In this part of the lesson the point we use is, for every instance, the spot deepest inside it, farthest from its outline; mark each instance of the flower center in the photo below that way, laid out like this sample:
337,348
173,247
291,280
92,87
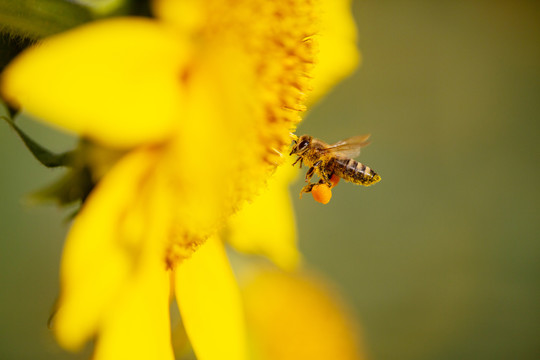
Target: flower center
181,247
246,87
283,47
279,38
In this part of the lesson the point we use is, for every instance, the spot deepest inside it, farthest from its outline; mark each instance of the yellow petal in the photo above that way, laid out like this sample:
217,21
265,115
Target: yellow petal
136,322
115,81
267,226
185,15
294,316
338,55
209,151
210,304
138,326
97,262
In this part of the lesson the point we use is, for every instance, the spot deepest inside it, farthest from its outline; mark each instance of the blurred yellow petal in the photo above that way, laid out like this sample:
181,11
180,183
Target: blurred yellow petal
97,262
213,166
338,55
185,15
210,304
294,316
267,225
115,81
138,326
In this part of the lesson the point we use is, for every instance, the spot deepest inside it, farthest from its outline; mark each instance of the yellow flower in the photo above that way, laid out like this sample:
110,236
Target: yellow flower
201,99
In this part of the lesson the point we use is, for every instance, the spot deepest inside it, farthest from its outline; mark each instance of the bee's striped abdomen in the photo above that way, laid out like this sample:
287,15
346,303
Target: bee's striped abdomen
355,172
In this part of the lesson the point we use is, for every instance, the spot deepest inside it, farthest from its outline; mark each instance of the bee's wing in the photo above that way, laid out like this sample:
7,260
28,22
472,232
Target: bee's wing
350,147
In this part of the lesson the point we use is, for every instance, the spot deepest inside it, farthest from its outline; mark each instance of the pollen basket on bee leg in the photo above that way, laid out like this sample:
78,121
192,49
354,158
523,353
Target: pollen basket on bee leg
322,193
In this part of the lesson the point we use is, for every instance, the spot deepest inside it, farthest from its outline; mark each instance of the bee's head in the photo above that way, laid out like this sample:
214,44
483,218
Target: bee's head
301,145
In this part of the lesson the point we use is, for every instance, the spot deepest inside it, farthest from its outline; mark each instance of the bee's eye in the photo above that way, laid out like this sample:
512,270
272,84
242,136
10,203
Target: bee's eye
303,145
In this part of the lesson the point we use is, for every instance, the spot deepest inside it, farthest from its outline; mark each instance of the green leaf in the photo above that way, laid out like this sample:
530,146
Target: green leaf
43,155
73,187
38,19
11,47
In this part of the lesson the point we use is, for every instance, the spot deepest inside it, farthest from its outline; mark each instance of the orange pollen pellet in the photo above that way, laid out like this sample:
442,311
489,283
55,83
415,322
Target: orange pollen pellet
322,193
334,180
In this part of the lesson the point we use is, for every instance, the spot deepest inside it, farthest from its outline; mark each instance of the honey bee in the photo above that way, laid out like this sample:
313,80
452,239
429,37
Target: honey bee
336,159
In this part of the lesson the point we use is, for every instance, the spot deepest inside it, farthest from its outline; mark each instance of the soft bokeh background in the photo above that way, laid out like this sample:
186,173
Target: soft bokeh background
441,260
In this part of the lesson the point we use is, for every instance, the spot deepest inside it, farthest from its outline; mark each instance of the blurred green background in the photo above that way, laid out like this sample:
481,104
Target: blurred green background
441,259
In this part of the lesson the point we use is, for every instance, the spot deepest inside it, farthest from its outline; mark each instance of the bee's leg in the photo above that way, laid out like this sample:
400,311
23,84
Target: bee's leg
312,169
324,174
307,189
325,177
299,159
310,173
